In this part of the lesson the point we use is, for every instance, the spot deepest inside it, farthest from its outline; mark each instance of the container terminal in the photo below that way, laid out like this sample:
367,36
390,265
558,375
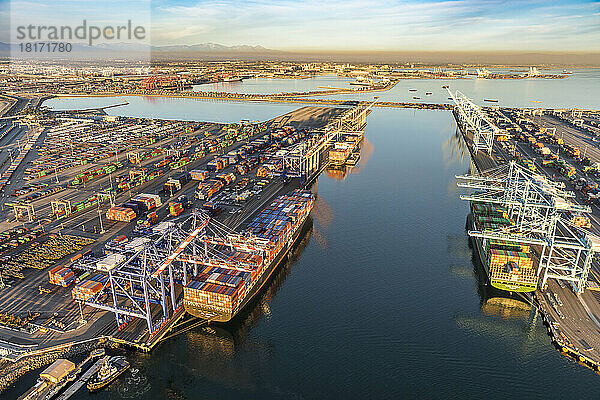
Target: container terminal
114,225
534,214
111,224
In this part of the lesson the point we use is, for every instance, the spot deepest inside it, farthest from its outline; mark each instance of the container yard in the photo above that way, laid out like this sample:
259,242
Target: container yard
100,191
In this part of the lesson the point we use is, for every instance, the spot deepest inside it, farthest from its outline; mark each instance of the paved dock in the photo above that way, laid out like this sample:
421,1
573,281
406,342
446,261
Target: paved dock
71,390
100,323
573,320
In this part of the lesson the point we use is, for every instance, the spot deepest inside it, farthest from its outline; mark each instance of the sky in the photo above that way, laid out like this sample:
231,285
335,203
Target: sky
340,25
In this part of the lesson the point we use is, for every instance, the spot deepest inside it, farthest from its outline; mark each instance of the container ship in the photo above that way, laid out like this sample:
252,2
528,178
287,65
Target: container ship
342,150
219,292
508,265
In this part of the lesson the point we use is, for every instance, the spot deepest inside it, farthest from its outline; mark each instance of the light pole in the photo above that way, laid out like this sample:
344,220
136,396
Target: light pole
102,231
81,320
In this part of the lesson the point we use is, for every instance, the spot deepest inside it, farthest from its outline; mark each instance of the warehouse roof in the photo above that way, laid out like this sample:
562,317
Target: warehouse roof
58,370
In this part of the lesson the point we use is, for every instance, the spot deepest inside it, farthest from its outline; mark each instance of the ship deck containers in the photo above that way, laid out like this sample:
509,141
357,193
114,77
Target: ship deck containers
223,288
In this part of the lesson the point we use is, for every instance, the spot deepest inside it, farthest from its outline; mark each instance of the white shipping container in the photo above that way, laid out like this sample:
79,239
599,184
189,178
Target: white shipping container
109,262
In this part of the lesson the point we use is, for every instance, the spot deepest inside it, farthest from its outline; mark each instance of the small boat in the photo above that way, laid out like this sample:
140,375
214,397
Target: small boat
445,87
416,98
428,93
111,368
491,100
412,90
536,101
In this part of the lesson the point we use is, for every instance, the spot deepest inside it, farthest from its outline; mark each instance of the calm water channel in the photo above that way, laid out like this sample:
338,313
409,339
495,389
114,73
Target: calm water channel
382,298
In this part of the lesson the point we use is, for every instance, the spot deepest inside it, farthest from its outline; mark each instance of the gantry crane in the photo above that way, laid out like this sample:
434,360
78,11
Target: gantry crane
474,119
537,206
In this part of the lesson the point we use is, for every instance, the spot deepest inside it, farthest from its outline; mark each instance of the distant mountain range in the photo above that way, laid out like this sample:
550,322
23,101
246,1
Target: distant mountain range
128,47
214,47
215,52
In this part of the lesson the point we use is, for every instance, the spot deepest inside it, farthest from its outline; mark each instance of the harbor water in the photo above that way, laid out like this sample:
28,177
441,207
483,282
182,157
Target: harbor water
381,299
576,91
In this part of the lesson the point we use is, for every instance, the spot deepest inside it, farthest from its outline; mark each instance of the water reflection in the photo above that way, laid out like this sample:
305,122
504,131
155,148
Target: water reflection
455,149
223,338
506,318
223,353
340,173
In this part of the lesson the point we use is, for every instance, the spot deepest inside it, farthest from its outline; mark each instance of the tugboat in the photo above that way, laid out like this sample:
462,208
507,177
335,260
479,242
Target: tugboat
111,368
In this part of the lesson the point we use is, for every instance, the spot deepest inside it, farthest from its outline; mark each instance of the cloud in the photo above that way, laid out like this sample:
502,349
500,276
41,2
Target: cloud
361,24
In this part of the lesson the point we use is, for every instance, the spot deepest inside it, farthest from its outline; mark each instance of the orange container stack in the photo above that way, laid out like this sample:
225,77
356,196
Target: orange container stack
226,178
207,189
581,220
220,291
121,214
198,175
86,290
263,171
61,276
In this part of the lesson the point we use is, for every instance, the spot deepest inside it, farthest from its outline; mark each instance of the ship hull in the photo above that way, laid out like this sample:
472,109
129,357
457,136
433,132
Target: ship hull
500,285
94,386
215,316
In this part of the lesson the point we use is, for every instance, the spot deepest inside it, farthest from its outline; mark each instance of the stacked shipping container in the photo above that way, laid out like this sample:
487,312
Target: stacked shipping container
222,289
61,276
121,214
509,264
87,289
